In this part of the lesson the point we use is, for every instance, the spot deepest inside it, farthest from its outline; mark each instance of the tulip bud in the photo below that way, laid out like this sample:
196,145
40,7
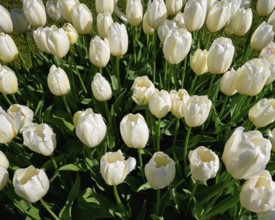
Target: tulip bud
220,55
262,36
4,176
114,168
118,39
8,81
204,163
99,52
26,115
265,7
35,12
8,49
246,154
82,18
134,12
90,128
143,89
101,88
195,14
179,100
271,20
198,62
40,38
156,13
4,163
177,45
179,19
166,29
134,131
58,81
228,84
252,77
104,20
40,138
264,188
19,21
262,113
268,215
104,6
173,6
65,7
146,28
241,21
197,110
5,21
160,103
271,137
160,171
71,32
53,12
30,183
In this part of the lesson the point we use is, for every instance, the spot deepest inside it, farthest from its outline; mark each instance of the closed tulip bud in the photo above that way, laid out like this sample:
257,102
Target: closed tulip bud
166,29
71,32
40,138
91,128
210,4
35,12
265,7
8,49
160,171
228,84
40,38
246,154
4,176
30,183
114,168
179,100
198,62
156,13
262,113
143,89
118,39
4,163
134,131
8,81
262,36
19,21
58,42
53,12
58,81
177,45
104,20
101,88
179,19
99,52
258,193
195,14
271,20
82,18
173,6
268,215
220,55
252,77
65,7
160,103
104,6
241,21
145,26
5,22
197,110
271,137
217,16
204,163
26,115
134,12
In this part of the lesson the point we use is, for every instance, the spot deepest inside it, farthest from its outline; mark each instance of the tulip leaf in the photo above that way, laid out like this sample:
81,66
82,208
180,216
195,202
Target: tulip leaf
71,167
144,186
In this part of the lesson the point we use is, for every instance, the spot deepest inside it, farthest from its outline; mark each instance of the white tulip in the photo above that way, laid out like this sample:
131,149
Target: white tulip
104,6
8,81
101,88
148,30
5,21
179,19
134,12
19,21
71,32
53,12
241,21
4,177
160,103
65,7
265,7
198,62
173,6
99,51
104,20
179,99
8,49
262,36
4,163
271,137
156,13
35,12
143,89
228,83
166,29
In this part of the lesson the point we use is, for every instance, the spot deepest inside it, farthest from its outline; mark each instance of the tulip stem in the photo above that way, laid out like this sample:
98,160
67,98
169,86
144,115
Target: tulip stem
66,104
119,203
184,71
7,99
186,147
193,84
158,135
176,131
134,44
154,56
100,70
118,71
211,85
48,209
158,202
78,75
141,164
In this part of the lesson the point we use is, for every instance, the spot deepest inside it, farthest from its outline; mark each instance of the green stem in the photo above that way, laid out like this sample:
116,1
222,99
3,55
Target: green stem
184,71
7,99
158,202
158,135
193,84
165,72
118,201
211,85
223,106
23,61
64,98
118,71
100,70
154,56
176,131
79,76
48,209
192,194
134,44
185,149
141,164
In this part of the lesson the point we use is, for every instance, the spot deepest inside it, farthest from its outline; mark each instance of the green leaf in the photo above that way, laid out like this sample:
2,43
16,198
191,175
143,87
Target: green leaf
144,186
71,167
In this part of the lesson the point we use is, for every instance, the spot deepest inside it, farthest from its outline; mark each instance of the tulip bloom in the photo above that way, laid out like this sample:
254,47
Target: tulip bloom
134,12
35,12
271,137
156,13
53,12
40,138
166,29
99,52
90,127
103,22
145,26
65,7
82,18
241,21
160,103
265,7
58,81
8,81
173,6
246,154
19,20
198,62
143,89
4,163
114,168
179,19
262,36
160,171
5,22
30,183
179,99
4,176
8,49
134,131
204,163
228,84
104,6
71,32
101,88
